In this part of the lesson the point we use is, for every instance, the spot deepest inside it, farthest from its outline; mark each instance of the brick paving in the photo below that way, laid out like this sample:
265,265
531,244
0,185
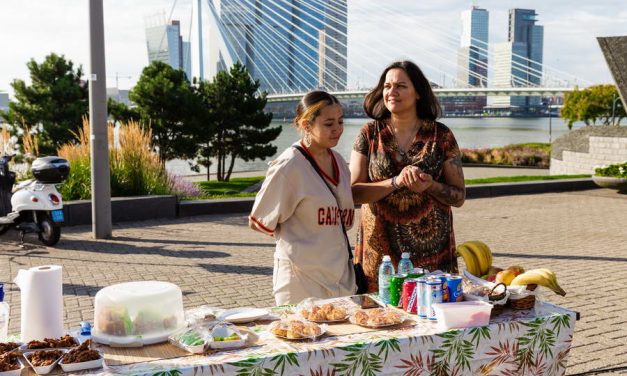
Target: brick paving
217,260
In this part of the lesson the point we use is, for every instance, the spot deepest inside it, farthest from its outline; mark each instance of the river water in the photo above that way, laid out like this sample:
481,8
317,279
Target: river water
469,132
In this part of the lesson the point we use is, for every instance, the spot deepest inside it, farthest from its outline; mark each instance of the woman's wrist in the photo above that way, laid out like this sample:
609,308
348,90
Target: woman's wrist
394,183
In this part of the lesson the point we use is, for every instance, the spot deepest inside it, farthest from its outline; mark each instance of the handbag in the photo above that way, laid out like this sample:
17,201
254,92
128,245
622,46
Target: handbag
360,276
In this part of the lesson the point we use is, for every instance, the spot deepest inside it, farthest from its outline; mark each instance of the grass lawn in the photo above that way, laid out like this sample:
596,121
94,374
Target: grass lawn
515,179
228,189
233,188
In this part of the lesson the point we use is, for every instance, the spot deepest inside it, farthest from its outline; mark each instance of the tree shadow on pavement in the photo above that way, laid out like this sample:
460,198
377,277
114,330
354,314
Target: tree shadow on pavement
237,269
113,248
171,241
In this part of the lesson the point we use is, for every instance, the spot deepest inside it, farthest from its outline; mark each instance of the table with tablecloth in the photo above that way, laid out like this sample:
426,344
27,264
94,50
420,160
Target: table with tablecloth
516,342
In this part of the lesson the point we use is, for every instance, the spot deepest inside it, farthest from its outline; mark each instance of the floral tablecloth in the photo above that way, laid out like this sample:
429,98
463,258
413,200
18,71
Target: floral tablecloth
535,342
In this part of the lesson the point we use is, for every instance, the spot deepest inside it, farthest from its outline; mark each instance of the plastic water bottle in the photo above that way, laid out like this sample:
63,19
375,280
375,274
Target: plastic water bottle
4,316
405,266
386,271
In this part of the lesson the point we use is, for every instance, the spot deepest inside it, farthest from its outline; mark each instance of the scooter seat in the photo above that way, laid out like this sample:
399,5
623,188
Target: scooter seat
9,218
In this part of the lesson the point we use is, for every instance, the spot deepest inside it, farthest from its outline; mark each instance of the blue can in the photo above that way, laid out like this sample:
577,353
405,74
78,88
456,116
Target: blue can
444,279
454,287
421,293
434,295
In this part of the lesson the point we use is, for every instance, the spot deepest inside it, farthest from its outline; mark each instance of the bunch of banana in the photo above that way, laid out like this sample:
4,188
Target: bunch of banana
543,277
477,256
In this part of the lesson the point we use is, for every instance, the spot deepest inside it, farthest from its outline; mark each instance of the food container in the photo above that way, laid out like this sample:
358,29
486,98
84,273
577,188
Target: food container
322,311
50,170
50,344
15,372
71,367
297,328
226,336
42,370
134,314
192,340
462,314
377,317
6,347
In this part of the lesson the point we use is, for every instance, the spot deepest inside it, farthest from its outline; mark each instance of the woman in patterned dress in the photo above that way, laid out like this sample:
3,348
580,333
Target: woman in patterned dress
406,171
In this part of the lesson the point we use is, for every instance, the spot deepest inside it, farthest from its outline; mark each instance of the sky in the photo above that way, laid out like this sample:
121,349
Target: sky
379,32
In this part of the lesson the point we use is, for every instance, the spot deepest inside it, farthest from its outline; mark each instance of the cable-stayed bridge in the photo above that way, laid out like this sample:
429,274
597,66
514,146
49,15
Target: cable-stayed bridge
293,46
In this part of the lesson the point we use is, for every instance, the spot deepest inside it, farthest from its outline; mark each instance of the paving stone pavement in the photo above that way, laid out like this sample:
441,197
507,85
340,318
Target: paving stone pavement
217,260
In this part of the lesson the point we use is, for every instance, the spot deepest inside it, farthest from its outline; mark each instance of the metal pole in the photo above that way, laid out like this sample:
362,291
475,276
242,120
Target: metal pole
614,108
100,175
200,63
550,125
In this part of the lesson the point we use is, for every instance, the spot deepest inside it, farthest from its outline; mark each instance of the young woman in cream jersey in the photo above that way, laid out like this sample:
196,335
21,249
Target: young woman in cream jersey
296,207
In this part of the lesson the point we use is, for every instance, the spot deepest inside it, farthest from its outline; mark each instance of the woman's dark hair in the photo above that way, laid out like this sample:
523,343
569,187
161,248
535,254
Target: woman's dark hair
427,106
311,104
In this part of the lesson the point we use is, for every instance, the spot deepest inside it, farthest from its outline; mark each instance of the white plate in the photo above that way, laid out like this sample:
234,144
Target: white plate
42,370
71,367
15,372
242,315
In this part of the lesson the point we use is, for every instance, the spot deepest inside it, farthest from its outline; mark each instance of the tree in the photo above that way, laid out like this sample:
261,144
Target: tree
598,102
54,103
166,102
120,112
242,128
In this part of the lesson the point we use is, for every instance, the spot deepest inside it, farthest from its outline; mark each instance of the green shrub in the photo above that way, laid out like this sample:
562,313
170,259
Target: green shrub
616,170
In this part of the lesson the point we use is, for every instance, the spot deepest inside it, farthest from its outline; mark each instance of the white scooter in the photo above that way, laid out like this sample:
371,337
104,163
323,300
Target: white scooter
35,205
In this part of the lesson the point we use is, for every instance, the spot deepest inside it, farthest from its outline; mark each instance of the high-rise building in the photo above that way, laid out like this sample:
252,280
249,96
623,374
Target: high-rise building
4,101
165,44
473,51
518,62
295,47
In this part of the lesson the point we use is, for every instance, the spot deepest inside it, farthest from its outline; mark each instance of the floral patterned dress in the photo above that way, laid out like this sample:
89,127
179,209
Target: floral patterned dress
405,221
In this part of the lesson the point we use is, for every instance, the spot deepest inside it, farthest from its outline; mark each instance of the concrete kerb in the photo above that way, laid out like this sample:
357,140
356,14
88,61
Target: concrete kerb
153,207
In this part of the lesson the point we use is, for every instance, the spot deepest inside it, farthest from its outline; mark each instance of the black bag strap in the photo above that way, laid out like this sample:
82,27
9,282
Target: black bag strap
315,166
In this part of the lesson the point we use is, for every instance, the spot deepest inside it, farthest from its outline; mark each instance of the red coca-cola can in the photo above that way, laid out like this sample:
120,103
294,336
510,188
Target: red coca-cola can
409,297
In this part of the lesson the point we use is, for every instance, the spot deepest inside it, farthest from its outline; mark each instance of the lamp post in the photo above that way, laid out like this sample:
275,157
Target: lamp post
550,124
616,98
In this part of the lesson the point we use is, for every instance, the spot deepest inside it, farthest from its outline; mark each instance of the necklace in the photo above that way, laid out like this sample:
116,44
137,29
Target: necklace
402,153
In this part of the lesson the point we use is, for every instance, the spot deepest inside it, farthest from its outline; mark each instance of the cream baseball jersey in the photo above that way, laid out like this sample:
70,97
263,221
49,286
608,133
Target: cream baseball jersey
295,205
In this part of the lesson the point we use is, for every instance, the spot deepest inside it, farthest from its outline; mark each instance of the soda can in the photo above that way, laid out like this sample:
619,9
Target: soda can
417,273
396,289
454,287
410,301
444,279
434,295
421,294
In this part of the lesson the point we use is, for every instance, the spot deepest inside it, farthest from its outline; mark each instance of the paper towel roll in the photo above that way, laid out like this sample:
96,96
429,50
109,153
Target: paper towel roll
41,290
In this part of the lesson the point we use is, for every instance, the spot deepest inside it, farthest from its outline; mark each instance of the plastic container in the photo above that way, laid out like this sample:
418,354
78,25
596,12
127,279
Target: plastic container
134,314
462,314
50,170
14,372
4,315
386,271
405,266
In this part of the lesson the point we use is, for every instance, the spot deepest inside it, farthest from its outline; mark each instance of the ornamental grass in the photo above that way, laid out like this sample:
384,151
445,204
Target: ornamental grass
136,169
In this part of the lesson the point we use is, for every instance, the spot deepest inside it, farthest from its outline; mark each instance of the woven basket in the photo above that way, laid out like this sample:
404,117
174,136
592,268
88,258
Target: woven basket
494,296
528,302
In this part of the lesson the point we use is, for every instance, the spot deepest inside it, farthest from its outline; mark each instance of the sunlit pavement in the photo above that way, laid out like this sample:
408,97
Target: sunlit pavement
217,260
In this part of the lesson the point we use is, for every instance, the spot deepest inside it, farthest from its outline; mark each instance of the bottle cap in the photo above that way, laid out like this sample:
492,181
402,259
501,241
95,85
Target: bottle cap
405,255
1,292
85,328
387,258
